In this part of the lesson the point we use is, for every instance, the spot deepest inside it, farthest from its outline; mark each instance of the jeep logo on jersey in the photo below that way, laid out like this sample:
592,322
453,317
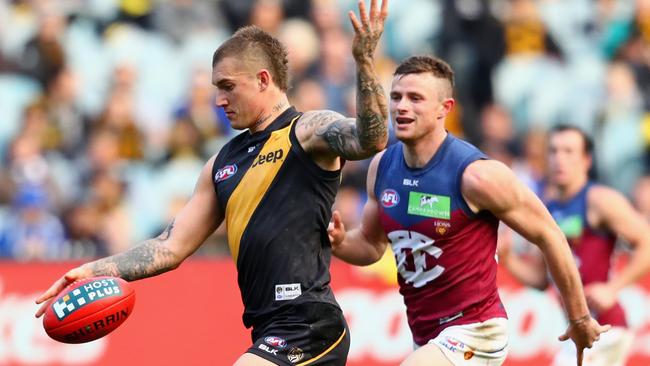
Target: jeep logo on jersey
225,173
271,157
275,341
389,198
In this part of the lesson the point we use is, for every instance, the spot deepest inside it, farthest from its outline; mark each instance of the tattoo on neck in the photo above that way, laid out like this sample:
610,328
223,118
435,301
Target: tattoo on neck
276,108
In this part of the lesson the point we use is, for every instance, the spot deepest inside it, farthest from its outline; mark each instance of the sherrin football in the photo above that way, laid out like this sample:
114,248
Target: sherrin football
89,309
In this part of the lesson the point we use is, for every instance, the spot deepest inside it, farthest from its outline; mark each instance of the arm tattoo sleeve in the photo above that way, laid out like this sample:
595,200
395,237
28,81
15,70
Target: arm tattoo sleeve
360,138
147,259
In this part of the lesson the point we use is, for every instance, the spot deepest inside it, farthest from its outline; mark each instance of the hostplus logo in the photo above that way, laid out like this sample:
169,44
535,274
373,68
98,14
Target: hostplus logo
79,297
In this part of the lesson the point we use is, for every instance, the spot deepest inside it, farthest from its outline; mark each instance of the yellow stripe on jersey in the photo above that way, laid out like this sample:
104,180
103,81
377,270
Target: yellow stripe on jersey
324,352
253,186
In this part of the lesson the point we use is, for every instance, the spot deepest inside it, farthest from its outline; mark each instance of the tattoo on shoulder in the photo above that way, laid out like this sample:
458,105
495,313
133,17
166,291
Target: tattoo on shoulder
317,118
342,137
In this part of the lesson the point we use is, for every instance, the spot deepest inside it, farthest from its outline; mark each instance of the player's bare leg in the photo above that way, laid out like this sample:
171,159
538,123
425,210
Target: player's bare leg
249,359
427,355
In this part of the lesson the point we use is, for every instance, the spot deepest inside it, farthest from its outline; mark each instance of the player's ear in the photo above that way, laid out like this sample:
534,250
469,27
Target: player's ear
263,79
445,107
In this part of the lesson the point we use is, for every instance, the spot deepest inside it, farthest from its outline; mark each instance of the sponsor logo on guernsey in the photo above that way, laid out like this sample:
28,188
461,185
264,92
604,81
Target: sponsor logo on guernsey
442,227
287,291
389,198
275,341
296,354
271,157
79,297
225,173
429,205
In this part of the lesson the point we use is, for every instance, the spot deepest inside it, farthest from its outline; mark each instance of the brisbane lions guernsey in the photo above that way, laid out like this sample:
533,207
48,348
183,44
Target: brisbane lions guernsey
592,248
445,253
277,204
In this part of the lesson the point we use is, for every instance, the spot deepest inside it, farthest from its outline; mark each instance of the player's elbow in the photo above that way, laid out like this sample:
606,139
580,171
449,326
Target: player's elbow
375,146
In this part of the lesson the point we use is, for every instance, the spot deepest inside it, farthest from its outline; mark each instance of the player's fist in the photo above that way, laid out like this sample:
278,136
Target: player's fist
336,230
74,274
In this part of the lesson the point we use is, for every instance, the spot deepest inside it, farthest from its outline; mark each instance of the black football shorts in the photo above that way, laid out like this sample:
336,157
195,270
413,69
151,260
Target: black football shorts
305,334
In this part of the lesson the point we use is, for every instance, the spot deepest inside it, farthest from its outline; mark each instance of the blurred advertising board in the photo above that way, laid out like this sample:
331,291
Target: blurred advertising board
192,316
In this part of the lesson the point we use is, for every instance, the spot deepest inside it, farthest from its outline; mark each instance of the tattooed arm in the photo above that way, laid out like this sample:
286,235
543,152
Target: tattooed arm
194,223
361,137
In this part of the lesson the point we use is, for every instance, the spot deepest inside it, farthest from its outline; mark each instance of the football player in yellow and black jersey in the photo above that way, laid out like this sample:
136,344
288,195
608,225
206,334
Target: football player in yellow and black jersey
274,185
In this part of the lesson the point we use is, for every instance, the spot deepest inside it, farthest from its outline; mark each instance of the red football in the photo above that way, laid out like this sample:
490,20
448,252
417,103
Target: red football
89,309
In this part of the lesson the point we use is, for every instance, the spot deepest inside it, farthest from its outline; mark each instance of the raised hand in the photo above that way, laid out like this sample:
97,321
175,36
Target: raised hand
583,332
367,31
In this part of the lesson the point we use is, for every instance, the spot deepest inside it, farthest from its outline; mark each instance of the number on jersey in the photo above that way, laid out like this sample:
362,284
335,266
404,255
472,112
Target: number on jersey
416,257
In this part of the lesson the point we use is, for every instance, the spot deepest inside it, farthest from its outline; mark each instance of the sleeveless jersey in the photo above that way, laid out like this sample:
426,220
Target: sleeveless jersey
277,204
592,248
445,253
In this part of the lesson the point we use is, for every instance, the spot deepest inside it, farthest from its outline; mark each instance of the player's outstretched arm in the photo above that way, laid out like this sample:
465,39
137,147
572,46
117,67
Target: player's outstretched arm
366,244
490,185
358,138
615,213
195,222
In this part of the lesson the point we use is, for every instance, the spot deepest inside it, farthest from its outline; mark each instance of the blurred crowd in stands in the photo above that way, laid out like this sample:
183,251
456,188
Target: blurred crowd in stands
107,110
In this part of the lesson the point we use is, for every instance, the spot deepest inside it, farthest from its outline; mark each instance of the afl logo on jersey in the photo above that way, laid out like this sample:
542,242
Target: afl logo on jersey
225,173
389,198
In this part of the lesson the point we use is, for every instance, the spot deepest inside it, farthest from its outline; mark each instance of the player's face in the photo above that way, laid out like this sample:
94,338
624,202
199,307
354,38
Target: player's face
416,107
237,92
568,160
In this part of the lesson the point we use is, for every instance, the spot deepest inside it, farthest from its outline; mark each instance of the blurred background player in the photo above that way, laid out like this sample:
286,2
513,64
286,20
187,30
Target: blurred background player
437,200
279,176
593,217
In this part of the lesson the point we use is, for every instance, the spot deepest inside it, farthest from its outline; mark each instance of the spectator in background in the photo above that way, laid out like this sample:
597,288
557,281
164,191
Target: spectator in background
334,70
67,126
620,143
83,231
106,195
31,231
138,12
302,46
118,115
530,164
267,14
529,81
472,40
200,111
43,57
178,18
